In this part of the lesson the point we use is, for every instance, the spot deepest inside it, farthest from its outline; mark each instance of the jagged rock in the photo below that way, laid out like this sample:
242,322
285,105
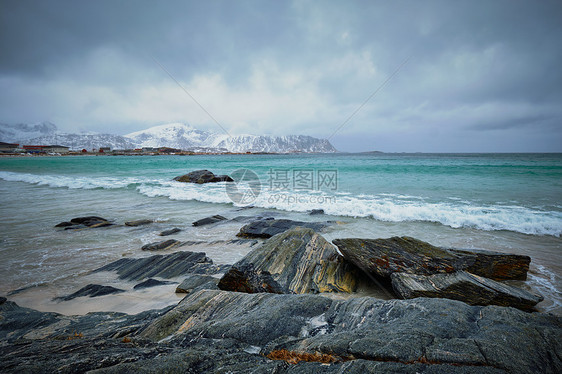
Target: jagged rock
91,290
194,282
170,232
314,212
150,282
85,222
266,228
463,286
169,266
496,265
382,257
300,261
139,222
203,176
246,279
161,246
209,220
419,335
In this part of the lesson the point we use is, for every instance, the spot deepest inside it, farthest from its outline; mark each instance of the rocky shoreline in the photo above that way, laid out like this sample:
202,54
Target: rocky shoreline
278,310
295,304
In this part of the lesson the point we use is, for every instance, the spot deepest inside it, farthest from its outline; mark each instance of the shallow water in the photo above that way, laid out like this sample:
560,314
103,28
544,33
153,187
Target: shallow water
508,203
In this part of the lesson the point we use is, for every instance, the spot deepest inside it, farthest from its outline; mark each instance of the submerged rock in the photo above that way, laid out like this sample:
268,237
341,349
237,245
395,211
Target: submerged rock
266,228
314,212
139,222
169,266
175,230
85,222
463,286
298,260
203,176
209,220
91,290
382,257
161,246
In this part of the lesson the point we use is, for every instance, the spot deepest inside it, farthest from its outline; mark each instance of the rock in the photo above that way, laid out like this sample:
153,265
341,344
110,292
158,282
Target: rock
195,282
314,212
161,246
208,220
203,176
247,279
266,228
496,265
370,335
85,222
382,257
91,290
463,286
219,332
139,222
170,232
170,266
298,260
150,282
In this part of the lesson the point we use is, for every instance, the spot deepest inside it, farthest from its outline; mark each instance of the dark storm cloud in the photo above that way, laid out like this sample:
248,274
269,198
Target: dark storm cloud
476,67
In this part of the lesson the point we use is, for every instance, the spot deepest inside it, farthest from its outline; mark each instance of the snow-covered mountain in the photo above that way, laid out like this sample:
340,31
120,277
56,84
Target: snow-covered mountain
174,135
24,132
182,136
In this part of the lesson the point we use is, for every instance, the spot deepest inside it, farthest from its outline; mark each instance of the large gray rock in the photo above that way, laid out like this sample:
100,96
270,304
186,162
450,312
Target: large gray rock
85,222
463,286
432,335
220,332
91,290
382,257
161,245
208,220
266,228
296,261
203,176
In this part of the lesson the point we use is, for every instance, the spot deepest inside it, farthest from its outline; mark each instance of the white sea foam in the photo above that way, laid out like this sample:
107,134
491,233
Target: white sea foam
78,182
387,207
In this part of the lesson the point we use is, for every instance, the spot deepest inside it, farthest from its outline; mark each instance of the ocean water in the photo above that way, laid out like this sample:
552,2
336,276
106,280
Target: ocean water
504,202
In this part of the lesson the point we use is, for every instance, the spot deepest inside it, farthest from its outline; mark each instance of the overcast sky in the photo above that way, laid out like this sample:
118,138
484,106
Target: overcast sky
480,76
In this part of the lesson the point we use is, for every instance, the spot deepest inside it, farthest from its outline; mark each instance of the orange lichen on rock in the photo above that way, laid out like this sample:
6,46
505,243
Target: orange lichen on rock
295,357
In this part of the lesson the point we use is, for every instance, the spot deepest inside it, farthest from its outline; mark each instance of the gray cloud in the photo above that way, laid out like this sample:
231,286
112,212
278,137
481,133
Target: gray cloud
481,76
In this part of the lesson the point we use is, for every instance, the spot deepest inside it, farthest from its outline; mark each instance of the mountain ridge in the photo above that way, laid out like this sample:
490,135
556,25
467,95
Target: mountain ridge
172,135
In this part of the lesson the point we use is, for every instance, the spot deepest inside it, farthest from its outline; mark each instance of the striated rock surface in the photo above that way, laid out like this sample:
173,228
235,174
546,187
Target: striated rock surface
298,261
161,246
496,265
150,282
463,286
169,266
266,228
382,257
218,332
203,176
208,220
85,222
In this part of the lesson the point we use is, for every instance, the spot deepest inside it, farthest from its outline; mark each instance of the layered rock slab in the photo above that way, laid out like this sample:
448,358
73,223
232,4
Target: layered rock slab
382,257
266,228
296,261
463,286
169,266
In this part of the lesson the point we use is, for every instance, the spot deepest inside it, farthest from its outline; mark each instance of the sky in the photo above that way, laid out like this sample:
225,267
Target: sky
392,76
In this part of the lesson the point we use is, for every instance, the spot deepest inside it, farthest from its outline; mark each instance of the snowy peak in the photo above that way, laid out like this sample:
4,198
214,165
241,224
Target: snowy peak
23,132
182,136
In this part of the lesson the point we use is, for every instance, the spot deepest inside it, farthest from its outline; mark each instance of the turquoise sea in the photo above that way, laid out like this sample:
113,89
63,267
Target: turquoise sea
505,202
